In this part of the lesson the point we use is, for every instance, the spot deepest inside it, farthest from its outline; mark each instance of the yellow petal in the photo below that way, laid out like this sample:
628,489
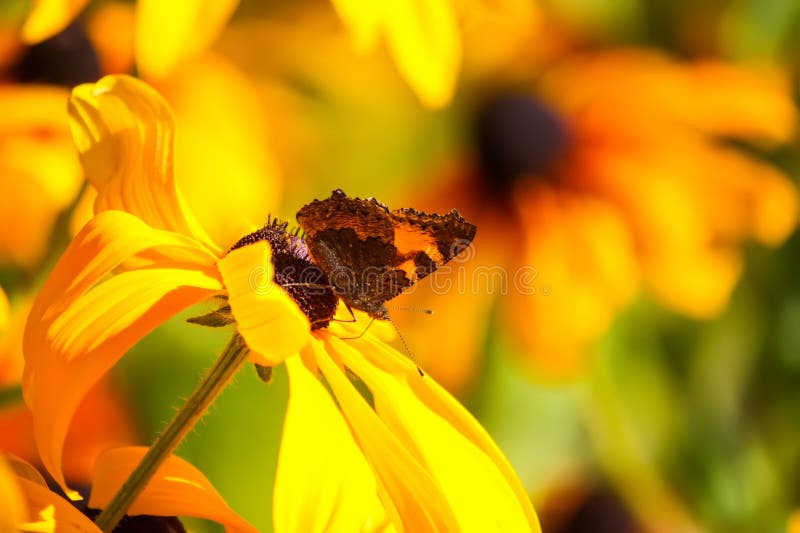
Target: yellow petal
266,317
177,489
323,482
50,512
410,494
81,322
222,152
483,494
48,17
170,32
123,130
424,40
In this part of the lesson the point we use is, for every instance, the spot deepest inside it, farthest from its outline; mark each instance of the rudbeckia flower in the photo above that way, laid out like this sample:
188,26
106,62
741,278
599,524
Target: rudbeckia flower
27,504
618,171
411,458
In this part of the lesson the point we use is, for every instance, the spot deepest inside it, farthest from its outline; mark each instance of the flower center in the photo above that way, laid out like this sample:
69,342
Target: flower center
65,59
304,281
518,135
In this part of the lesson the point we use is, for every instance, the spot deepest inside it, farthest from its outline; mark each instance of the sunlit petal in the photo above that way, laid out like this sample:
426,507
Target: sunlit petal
48,17
484,494
123,130
170,32
177,489
323,482
267,318
410,494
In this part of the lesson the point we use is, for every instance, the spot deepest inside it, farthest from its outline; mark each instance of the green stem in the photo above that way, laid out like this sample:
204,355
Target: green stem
195,407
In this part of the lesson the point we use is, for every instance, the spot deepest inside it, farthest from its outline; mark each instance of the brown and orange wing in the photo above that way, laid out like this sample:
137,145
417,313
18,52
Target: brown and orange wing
372,254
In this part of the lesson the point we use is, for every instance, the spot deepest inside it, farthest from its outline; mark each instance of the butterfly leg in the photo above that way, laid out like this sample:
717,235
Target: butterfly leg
352,318
360,334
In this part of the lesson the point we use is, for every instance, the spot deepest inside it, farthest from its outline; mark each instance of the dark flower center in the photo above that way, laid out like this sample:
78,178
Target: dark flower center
67,58
517,135
304,281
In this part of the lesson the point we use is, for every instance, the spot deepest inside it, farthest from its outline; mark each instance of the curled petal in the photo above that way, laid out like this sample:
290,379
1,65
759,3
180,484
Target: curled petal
323,482
81,323
170,32
476,479
410,494
266,317
48,17
177,489
123,130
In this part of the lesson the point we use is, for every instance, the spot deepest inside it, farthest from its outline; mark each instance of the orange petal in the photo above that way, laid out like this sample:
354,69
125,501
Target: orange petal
170,32
49,510
323,482
411,496
48,17
81,323
177,489
266,317
483,491
123,130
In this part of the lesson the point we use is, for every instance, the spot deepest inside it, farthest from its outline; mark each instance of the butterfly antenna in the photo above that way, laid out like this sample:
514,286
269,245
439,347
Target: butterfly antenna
414,309
405,345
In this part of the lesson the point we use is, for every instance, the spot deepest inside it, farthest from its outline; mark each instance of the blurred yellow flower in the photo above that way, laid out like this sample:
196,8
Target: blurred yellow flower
166,33
424,38
417,461
27,504
33,127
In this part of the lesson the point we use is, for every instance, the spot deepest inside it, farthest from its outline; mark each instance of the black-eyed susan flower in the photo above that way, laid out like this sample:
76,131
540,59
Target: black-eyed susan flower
178,489
411,458
597,180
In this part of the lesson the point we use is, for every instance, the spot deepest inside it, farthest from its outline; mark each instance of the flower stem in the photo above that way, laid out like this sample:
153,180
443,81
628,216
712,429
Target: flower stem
195,407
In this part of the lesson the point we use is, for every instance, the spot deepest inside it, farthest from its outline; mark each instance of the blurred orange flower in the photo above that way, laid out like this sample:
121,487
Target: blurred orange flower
418,461
27,504
612,172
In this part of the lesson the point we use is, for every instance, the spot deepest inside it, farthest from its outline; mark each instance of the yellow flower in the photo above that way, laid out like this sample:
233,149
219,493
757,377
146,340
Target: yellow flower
33,128
27,504
417,461
166,33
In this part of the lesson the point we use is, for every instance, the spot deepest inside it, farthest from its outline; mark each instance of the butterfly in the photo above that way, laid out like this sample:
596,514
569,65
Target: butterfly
370,254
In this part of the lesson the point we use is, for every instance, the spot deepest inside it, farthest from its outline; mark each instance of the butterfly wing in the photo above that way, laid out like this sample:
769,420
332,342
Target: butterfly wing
372,254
